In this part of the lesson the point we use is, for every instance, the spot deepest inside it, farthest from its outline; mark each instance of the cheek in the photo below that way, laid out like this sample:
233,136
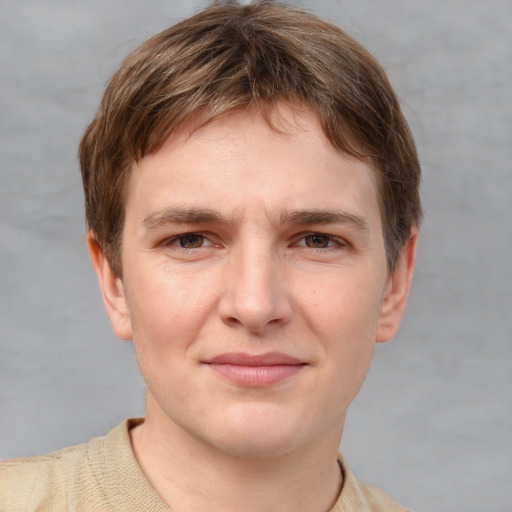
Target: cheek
343,314
168,310
342,308
168,315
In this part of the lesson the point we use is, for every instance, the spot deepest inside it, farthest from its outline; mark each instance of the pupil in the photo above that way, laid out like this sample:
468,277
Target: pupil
317,241
191,241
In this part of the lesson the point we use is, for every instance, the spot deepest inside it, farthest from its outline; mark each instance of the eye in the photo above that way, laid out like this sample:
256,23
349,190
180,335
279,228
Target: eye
318,241
190,241
191,246
187,241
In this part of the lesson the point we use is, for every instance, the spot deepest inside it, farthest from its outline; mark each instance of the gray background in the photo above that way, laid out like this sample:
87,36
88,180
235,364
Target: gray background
433,423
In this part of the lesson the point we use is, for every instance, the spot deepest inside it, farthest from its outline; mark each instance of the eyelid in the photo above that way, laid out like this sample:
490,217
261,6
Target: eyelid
334,240
337,241
173,241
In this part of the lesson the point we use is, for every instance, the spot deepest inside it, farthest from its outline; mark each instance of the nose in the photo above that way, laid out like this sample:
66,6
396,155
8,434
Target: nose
255,293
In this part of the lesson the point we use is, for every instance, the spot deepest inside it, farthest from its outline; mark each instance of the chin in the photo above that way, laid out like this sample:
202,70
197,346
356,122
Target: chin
256,447
258,436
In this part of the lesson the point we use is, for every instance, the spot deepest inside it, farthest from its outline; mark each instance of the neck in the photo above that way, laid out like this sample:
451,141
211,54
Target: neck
193,476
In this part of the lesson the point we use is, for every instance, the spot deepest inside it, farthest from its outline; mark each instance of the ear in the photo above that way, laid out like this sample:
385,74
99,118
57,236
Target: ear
397,290
112,290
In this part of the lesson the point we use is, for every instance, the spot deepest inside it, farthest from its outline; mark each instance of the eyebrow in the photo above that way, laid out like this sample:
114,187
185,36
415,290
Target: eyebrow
176,215
192,215
310,217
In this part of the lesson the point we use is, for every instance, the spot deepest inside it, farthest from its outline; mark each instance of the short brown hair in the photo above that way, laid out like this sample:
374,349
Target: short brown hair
230,57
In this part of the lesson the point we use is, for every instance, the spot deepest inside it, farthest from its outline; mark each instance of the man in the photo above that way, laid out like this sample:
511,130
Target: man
251,192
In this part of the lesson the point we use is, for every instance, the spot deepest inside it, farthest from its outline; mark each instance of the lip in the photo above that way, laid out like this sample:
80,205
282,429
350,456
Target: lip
255,370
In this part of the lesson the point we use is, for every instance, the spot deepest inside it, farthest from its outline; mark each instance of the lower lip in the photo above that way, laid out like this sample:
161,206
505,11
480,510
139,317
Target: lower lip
256,376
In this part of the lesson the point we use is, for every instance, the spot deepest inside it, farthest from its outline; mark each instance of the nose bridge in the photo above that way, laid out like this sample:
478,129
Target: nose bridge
256,294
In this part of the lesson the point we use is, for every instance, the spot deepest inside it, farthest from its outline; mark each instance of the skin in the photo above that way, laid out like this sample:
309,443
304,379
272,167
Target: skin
238,239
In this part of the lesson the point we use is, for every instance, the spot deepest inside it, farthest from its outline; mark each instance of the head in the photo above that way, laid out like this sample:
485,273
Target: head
252,197
234,58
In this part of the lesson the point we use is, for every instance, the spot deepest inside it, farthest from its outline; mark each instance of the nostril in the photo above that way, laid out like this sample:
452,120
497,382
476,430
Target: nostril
232,321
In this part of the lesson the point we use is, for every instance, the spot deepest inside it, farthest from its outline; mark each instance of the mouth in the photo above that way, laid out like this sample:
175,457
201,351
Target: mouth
255,371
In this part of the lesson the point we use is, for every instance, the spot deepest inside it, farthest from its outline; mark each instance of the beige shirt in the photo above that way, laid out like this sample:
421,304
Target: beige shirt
103,475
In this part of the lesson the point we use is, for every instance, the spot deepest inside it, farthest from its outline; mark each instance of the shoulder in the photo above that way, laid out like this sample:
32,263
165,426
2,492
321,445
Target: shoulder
357,496
34,482
378,500
100,475
61,480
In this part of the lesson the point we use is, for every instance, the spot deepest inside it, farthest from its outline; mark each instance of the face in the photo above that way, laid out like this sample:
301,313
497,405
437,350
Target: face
254,283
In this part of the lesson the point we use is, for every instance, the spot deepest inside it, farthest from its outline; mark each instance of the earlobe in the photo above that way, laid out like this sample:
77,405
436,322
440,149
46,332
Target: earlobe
112,290
397,291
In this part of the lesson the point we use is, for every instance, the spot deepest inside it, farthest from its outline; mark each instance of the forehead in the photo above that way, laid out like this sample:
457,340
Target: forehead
242,159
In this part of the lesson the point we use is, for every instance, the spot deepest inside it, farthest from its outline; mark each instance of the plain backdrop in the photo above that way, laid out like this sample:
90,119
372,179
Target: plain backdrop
433,423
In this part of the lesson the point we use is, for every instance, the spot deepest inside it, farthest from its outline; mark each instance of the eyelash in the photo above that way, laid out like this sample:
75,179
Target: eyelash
175,241
332,241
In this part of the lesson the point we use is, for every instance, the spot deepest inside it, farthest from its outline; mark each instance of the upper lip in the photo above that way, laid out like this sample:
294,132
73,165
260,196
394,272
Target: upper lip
243,359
